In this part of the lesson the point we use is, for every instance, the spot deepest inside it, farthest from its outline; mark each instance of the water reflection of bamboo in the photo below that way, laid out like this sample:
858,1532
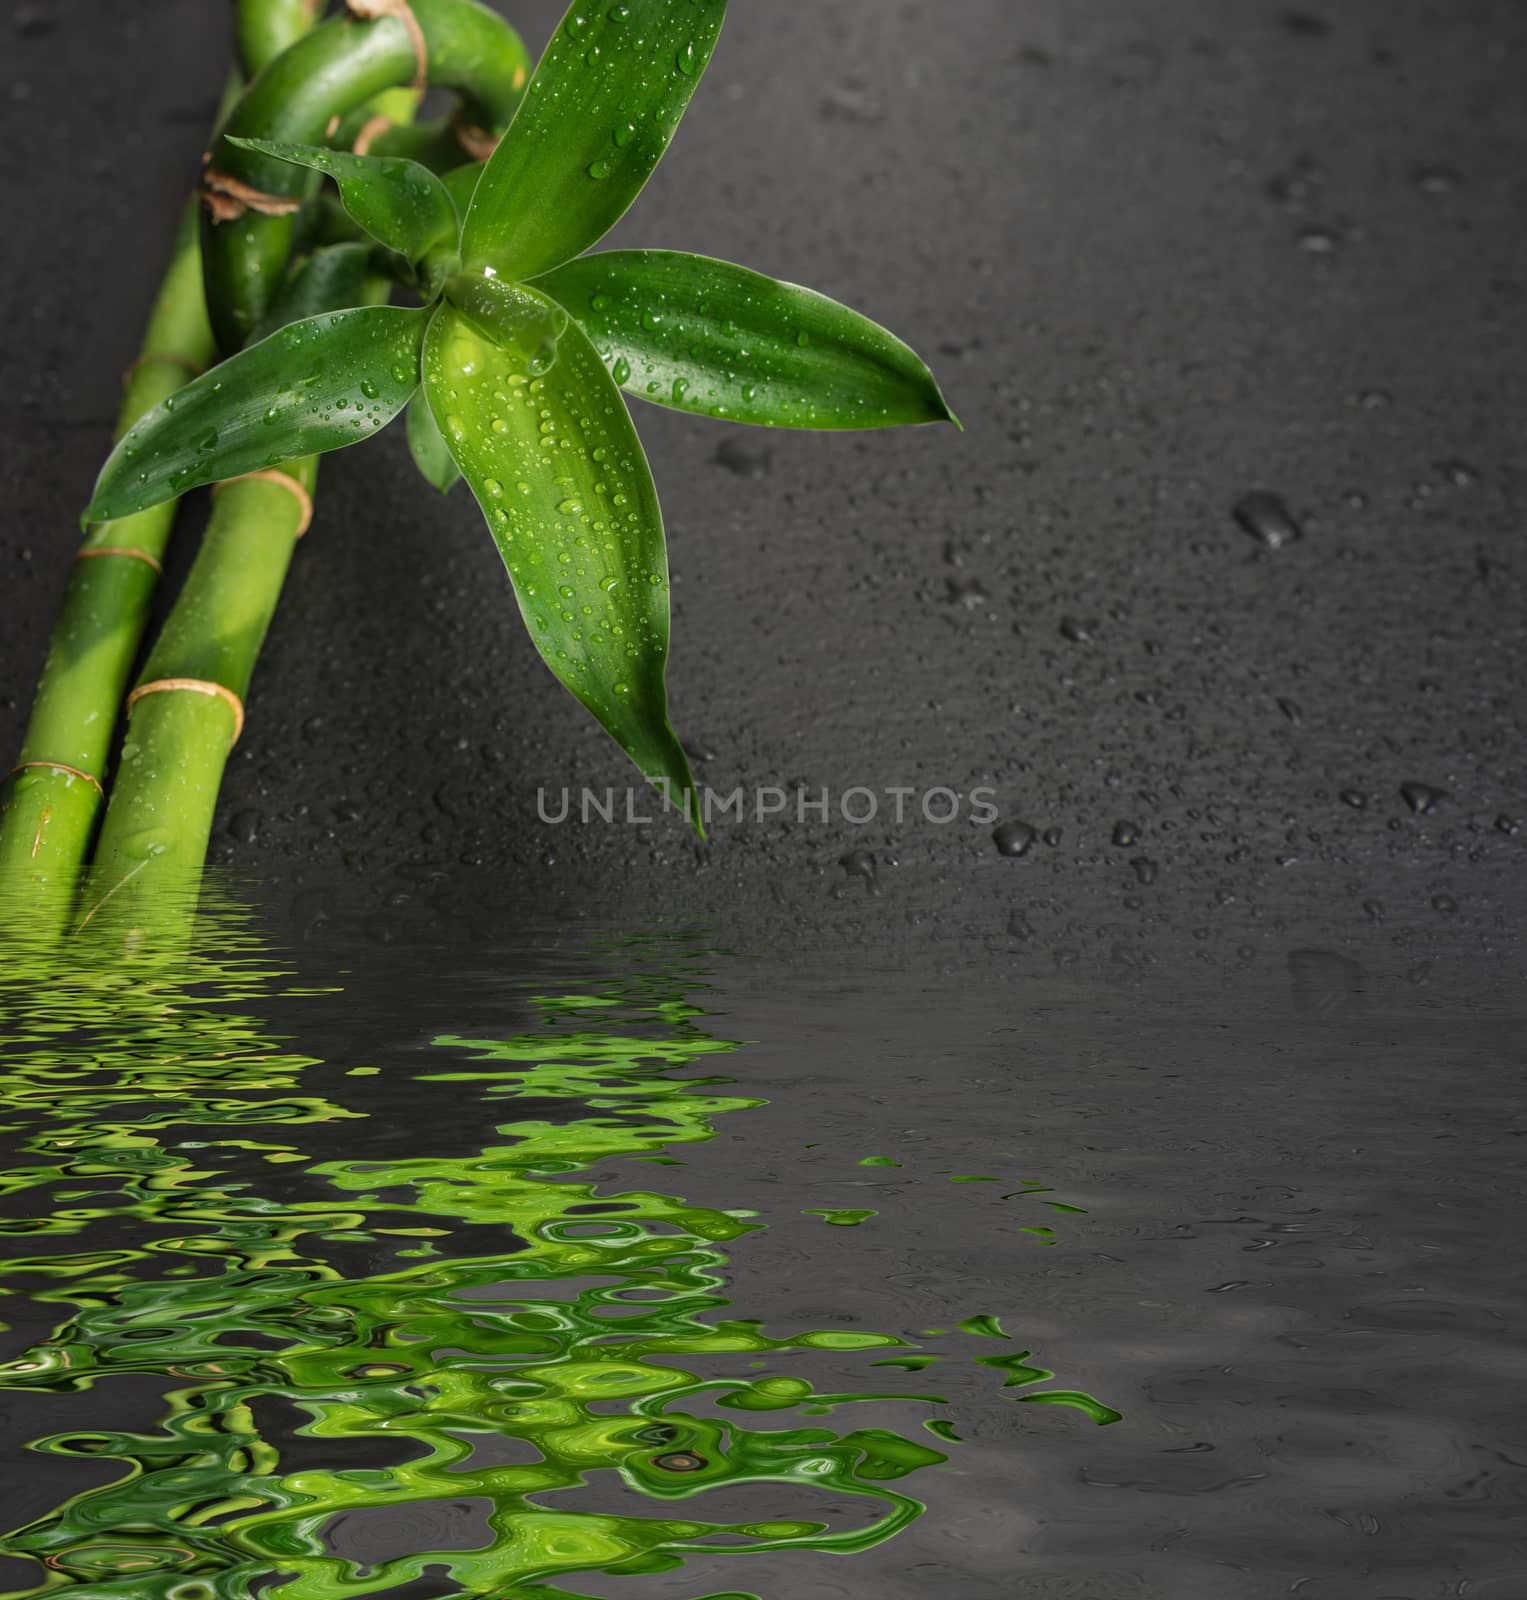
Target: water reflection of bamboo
581,1333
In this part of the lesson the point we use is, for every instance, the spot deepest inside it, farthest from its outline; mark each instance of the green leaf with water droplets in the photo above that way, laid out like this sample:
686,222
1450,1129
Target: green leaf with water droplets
524,324
398,202
318,385
599,113
560,474
431,454
716,339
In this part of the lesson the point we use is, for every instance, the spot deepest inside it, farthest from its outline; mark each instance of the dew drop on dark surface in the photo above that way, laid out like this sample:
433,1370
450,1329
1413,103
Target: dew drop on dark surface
738,458
244,827
1267,519
1013,838
1437,180
1507,825
1422,798
1125,834
858,864
1146,870
1316,240
1354,798
1077,631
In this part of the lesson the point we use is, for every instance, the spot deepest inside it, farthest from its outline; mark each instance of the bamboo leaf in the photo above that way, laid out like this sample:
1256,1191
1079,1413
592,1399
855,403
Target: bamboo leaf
599,113
716,339
560,475
317,385
331,279
431,454
527,326
398,202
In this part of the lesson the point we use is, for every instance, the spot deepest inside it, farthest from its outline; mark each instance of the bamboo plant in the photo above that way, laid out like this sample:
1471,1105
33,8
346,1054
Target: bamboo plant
49,802
511,366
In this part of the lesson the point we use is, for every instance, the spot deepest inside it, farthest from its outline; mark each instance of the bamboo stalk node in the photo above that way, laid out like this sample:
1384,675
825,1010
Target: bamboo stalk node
283,481
55,766
149,356
120,550
478,143
374,10
371,131
194,686
227,198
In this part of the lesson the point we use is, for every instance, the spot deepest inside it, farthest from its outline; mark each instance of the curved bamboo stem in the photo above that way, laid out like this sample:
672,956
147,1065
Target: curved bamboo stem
252,199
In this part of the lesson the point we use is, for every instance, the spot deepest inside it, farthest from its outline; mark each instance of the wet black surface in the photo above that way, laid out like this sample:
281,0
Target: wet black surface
1162,260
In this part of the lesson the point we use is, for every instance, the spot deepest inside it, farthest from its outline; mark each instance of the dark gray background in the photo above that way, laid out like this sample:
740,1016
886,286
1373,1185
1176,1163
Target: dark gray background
1159,256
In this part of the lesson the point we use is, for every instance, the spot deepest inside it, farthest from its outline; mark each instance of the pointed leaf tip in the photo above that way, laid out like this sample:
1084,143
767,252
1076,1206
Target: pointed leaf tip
719,340
317,385
559,472
398,202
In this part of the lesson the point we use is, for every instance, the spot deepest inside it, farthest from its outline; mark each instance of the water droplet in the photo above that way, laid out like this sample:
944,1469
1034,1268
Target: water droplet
601,168
621,371
680,389
1422,798
688,60
1125,834
1267,519
370,390
1316,241
1354,798
1437,180
1077,632
1013,838
1146,870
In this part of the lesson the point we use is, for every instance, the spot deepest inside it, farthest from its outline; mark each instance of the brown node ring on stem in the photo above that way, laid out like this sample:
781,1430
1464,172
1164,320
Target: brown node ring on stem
55,766
478,143
282,481
375,10
194,686
371,131
120,550
227,198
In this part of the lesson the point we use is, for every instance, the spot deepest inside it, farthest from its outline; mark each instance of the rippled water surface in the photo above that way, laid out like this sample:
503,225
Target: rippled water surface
607,1267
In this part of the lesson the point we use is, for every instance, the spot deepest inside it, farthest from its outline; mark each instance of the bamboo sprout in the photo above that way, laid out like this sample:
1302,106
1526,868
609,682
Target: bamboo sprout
180,733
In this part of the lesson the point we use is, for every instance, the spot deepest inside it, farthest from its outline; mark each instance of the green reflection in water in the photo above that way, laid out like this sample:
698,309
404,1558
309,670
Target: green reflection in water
520,1344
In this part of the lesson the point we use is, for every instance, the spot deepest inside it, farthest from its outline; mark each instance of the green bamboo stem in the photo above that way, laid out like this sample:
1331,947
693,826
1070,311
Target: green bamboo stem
178,740
328,74
50,803
47,811
265,28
